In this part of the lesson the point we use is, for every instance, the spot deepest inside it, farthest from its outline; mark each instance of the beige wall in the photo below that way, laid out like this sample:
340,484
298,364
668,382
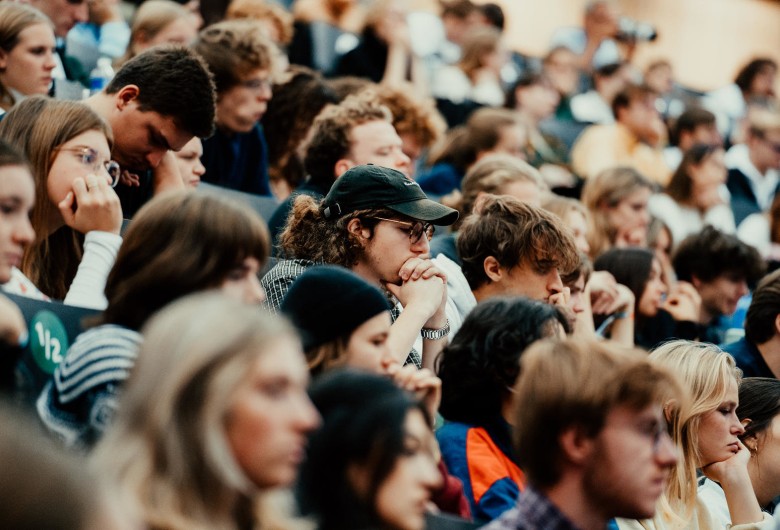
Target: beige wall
706,40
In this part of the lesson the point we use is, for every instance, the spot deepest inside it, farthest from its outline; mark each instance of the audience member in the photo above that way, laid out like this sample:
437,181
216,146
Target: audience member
63,14
497,174
372,462
574,215
535,98
762,231
754,167
286,124
721,268
560,67
590,435
594,43
277,22
694,195
180,243
759,407
377,223
17,195
26,53
159,22
323,30
694,126
659,314
385,53
635,139
508,248
77,215
730,103
188,163
617,202
105,34
477,75
42,486
706,434
241,59
357,131
478,370
757,354
595,106
358,339
155,104
214,417
488,131
415,119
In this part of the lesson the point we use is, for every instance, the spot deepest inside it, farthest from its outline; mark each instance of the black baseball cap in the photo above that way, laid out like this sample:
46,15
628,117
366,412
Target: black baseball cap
370,186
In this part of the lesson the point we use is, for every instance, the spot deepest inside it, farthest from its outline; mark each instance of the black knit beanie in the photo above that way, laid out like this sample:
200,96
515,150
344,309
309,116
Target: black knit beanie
327,302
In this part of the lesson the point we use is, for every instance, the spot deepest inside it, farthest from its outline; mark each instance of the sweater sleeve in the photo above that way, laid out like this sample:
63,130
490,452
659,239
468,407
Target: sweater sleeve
100,249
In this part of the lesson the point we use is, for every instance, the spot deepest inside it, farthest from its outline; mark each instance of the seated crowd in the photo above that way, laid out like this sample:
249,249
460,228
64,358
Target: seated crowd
426,282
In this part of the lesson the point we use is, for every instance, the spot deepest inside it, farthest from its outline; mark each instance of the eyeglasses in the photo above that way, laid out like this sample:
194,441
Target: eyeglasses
90,157
257,85
416,229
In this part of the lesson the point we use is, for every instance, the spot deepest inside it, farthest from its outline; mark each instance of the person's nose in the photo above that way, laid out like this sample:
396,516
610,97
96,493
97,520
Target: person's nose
421,246
306,417
431,476
199,169
255,293
736,425
403,163
24,233
554,282
666,453
50,63
80,12
743,288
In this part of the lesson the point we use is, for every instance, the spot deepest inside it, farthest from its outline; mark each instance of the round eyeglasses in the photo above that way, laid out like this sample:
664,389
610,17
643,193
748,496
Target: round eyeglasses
91,158
416,228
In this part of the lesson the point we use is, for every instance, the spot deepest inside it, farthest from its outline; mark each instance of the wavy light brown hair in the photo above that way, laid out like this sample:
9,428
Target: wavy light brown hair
38,127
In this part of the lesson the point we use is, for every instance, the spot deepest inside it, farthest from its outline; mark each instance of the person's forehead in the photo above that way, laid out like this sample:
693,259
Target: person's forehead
374,133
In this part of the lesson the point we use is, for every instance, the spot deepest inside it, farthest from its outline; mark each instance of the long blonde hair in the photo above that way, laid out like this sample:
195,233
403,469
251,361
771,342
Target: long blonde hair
706,371
167,450
39,126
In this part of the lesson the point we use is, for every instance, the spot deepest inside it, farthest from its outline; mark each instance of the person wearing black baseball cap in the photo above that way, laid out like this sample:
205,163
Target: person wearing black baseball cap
378,223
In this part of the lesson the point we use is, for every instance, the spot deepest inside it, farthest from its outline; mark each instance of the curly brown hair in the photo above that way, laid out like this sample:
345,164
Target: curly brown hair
308,235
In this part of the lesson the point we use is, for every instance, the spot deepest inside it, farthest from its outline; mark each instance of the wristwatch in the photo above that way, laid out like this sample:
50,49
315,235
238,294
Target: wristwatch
436,334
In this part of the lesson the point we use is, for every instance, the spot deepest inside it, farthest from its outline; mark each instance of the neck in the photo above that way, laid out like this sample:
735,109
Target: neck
485,291
569,496
367,273
762,168
770,351
706,316
764,487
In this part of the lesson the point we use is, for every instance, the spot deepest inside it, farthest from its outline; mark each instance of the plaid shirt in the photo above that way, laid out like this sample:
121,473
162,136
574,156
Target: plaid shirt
534,511
280,278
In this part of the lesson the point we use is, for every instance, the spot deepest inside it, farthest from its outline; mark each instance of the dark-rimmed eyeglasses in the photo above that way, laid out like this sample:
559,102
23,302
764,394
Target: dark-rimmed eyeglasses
416,228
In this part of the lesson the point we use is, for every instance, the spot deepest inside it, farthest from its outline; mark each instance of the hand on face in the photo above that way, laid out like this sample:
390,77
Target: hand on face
423,287
425,386
730,468
92,205
683,302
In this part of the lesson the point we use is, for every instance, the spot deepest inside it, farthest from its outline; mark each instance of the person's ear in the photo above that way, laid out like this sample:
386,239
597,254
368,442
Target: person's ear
576,445
126,95
777,324
696,282
3,59
493,269
750,440
341,167
356,228
669,410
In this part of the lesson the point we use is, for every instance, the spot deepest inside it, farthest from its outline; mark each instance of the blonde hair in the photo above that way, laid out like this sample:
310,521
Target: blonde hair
39,126
167,450
706,371
15,18
603,191
151,18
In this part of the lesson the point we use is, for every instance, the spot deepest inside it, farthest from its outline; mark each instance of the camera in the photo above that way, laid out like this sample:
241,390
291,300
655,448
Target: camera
630,30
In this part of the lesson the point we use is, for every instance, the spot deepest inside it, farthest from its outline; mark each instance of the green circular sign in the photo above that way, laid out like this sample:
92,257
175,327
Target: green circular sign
48,340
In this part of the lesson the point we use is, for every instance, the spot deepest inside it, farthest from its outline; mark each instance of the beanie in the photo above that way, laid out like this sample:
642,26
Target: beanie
327,302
